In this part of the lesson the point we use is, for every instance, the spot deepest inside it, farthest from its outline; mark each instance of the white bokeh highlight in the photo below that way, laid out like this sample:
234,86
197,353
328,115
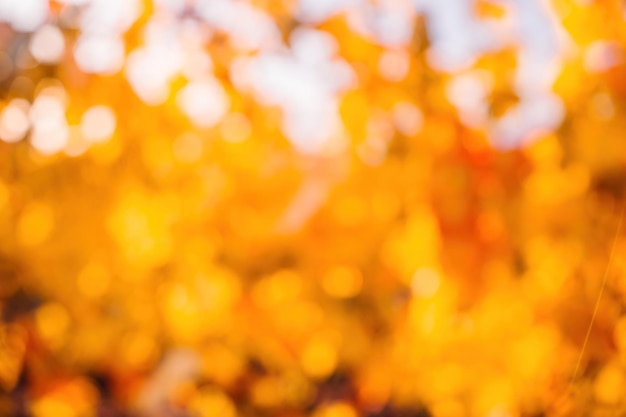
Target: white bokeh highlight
24,15
204,101
98,124
47,44
304,86
14,122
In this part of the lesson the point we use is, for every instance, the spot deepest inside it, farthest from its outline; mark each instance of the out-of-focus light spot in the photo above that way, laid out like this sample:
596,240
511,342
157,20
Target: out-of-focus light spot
456,37
240,73
267,392
528,121
379,134
35,225
248,27
203,310
74,2
182,313
304,315
139,350
197,65
47,44
98,124
110,16
52,407
394,65
373,152
176,6
307,95
391,27
493,398
424,319
53,89
76,143
374,386
222,364
609,385
546,152
342,282
50,132
99,54
500,411
535,75
24,15
312,46
178,367
49,139
468,93
147,78
601,56
336,409
66,398
14,121
46,109
204,102
602,106
407,118
188,147
140,223
236,128
278,289
150,69
212,403
298,389
300,129
52,322
533,350
319,358
320,10
93,280
425,283
192,34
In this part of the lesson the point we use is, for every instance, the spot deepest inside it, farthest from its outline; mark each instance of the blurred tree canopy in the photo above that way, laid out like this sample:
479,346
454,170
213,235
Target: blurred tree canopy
312,208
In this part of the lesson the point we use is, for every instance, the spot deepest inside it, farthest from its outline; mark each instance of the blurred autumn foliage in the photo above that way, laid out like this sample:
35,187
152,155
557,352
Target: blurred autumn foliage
312,208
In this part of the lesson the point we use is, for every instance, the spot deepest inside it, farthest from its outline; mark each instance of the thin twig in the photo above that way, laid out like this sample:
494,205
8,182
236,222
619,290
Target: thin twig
599,299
